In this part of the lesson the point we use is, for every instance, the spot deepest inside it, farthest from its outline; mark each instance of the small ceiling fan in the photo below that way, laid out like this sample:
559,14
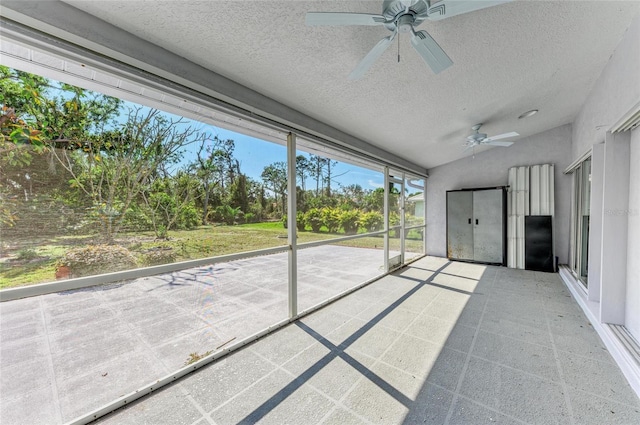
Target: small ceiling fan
402,16
481,139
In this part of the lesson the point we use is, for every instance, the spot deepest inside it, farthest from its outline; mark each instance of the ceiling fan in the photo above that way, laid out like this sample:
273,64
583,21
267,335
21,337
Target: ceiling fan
481,139
402,16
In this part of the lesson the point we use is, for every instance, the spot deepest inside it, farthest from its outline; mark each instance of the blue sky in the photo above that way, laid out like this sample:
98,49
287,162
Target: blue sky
255,154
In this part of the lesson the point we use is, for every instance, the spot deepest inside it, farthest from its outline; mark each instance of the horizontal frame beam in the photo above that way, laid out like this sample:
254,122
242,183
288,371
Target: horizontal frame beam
340,239
11,294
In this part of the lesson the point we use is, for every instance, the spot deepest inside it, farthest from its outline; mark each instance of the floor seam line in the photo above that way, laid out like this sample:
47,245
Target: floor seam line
54,383
524,372
465,367
336,402
493,409
516,339
148,349
197,405
607,398
563,383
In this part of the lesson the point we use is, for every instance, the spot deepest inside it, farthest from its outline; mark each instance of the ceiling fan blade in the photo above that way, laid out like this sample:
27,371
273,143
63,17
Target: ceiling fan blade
371,57
430,51
503,136
496,143
448,8
340,18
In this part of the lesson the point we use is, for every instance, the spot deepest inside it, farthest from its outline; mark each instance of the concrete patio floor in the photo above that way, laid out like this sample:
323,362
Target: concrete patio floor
437,342
65,354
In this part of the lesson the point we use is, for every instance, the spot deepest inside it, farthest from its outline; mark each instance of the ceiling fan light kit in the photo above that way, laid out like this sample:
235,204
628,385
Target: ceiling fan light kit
402,16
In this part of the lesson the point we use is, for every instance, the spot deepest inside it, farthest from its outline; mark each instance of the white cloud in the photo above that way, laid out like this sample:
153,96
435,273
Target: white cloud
375,184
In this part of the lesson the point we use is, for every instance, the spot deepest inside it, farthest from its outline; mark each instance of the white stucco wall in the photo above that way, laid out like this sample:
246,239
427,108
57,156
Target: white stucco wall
614,93
490,168
632,309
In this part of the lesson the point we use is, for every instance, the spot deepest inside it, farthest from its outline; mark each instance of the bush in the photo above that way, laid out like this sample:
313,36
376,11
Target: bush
158,255
394,220
135,220
98,259
372,221
227,214
301,222
331,219
249,217
412,220
27,254
313,218
188,218
350,221
285,221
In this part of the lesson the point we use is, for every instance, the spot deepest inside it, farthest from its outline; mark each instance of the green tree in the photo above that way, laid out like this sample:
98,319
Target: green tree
329,175
275,176
238,194
40,116
374,200
114,168
169,203
317,164
303,169
205,170
353,195
226,165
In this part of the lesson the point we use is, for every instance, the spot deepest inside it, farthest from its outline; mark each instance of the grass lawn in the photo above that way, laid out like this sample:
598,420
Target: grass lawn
37,264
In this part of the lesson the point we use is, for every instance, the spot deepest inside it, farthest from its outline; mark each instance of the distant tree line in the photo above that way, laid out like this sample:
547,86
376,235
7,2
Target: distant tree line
76,161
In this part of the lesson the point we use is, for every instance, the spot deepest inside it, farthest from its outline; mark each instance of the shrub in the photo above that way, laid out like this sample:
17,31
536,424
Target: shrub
285,221
313,218
227,214
350,221
98,259
158,255
188,218
27,254
331,219
135,220
372,221
301,222
394,220
412,220
249,217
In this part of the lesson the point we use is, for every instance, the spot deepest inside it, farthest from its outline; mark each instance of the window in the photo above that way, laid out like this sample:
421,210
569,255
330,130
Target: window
580,220
172,232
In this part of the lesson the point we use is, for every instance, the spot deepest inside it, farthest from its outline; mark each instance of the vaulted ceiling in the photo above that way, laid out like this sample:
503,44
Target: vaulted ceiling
508,59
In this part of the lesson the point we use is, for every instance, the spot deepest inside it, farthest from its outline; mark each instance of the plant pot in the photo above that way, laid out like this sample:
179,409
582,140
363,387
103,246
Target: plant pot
63,272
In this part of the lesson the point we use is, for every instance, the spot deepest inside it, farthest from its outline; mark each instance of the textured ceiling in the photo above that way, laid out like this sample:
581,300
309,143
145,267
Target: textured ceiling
508,59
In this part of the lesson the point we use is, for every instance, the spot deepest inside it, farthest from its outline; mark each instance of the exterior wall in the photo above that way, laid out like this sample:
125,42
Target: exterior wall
419,209
490,168
614,93
633,242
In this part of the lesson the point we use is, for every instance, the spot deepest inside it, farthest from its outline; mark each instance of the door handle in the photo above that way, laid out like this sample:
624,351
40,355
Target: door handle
476,221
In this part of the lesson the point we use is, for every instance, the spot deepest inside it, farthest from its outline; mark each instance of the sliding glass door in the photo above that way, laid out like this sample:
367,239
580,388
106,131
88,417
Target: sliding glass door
580,225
